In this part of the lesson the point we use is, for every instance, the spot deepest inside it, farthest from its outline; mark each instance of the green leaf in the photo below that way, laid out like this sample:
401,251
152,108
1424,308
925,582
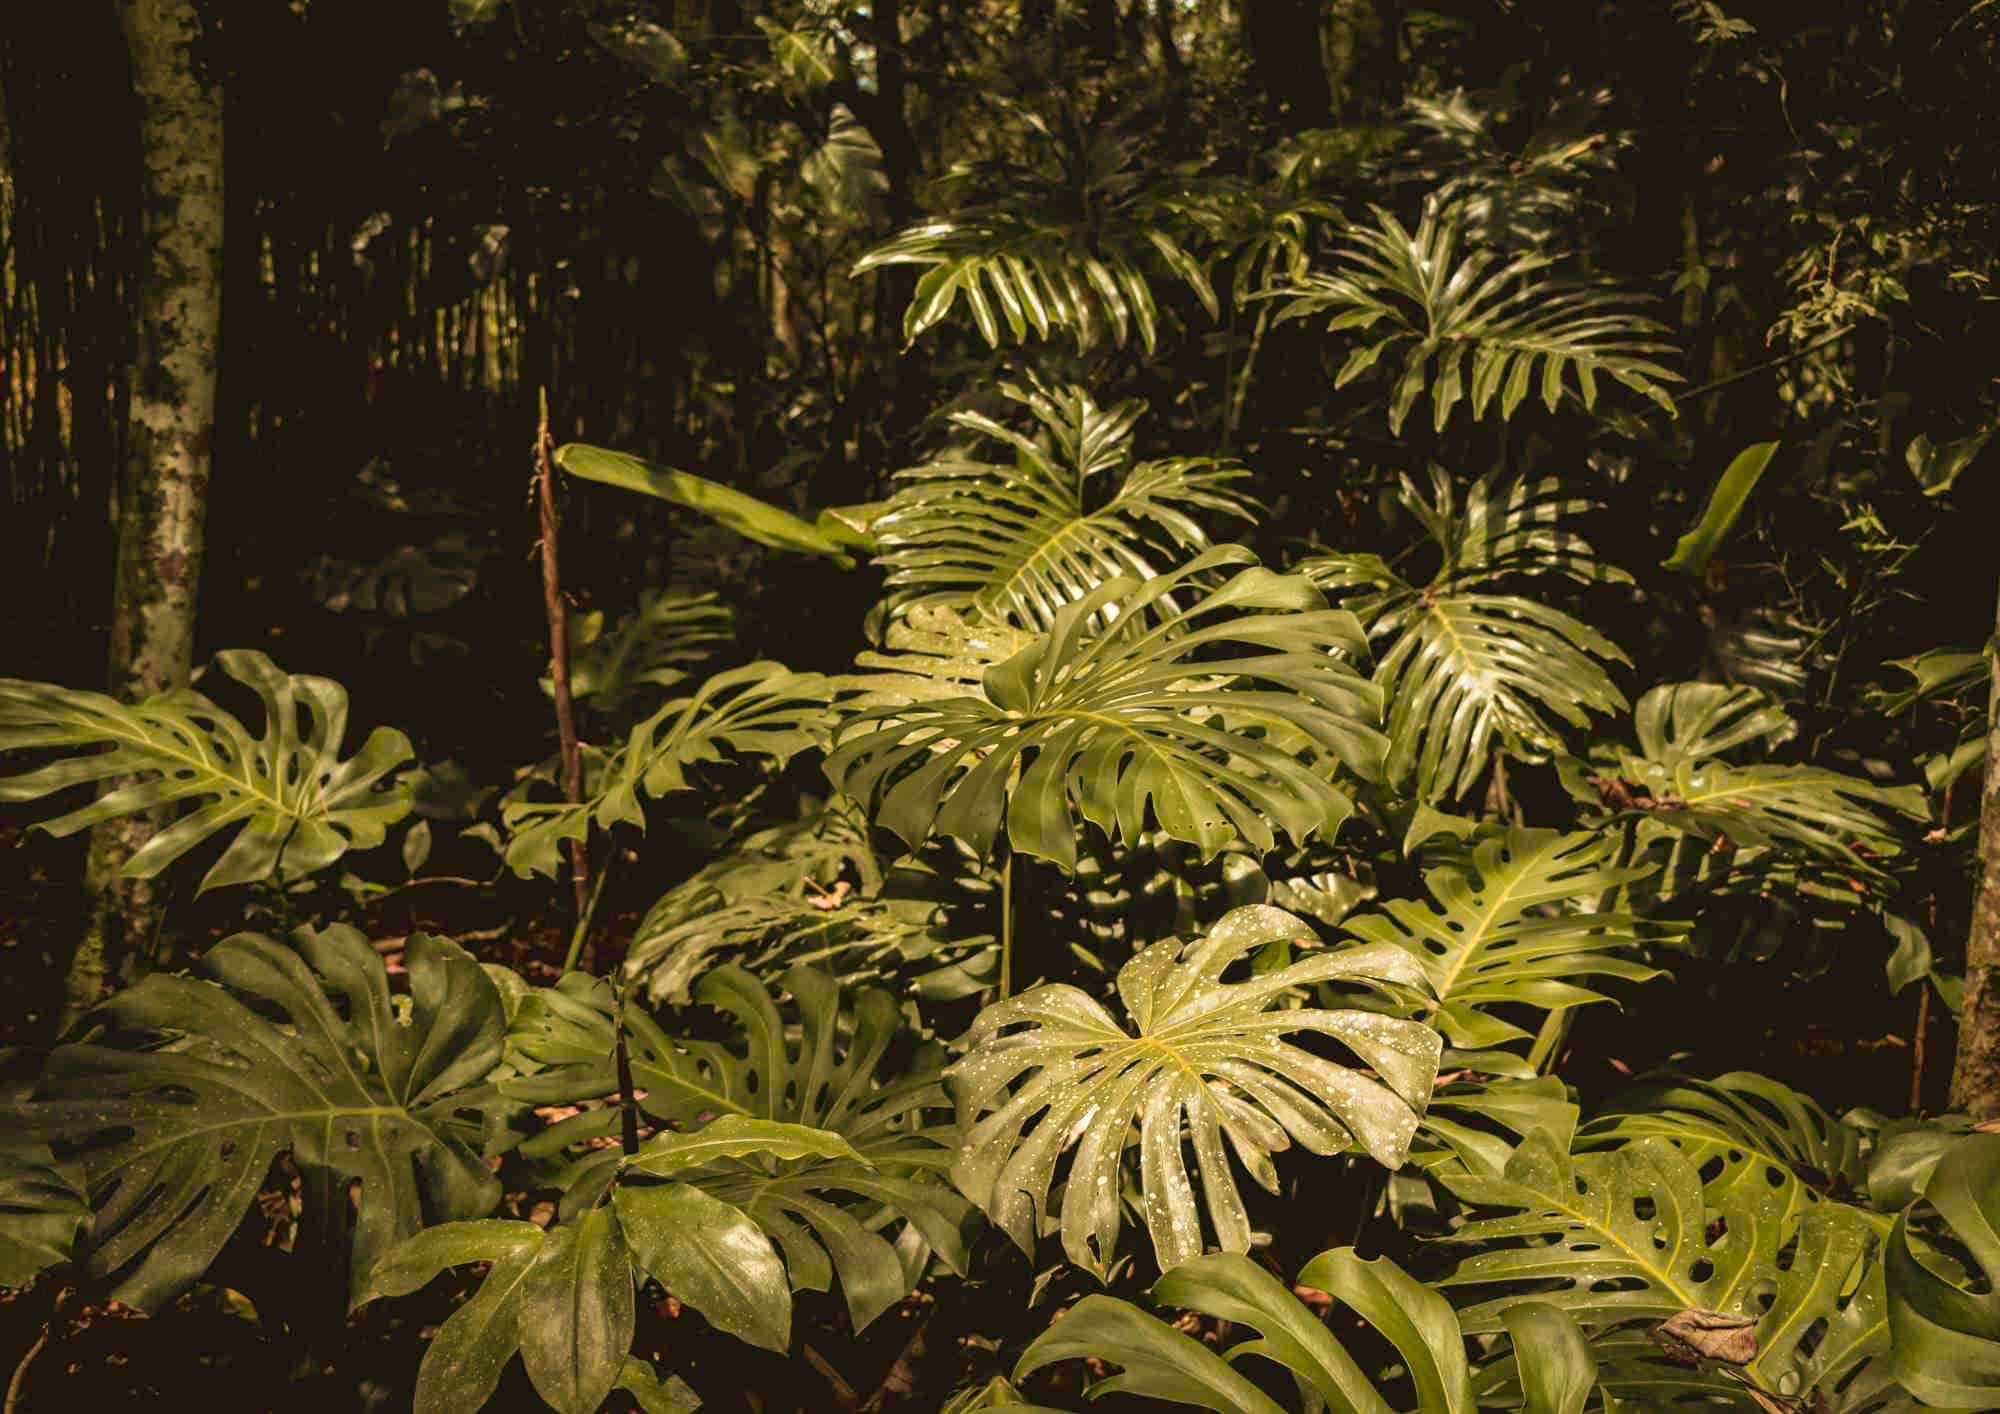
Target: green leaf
1511,319
1233,1288
712,1256
1159,1362
175,1142
297,803
1130,728
1207,1054
1020,539
735,1137
746,515
577,1313
1514,923
827,1208
1946,1348
1558,1371
1725,504
43,1211
760,709
1627,1234
463,1364
654,1395
1937,467
1465,672
1413,1317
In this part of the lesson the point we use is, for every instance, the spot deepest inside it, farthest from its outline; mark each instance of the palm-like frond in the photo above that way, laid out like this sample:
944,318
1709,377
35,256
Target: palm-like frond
1118,726
1018,541
1467,670
1445,307
757,710
1507,928
299,804
1070,251
1206,1051
1710,818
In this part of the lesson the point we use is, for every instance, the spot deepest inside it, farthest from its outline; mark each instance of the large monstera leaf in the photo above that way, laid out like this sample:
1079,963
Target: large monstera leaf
1107,725
1465,670
1947,1332
1160,1361
825,1209
174,1141
1019,541
760,709
298,805
1509,927
1632,1234
1413,290
1052,1068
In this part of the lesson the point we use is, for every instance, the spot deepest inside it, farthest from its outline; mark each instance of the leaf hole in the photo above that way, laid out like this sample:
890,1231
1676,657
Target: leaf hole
1711,1171
1701,1271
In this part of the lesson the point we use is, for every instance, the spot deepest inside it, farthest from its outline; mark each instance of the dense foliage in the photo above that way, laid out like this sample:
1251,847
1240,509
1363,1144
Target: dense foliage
1333,631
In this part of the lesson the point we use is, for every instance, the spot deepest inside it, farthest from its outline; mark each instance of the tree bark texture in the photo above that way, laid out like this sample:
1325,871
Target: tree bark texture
1975,1077
164,491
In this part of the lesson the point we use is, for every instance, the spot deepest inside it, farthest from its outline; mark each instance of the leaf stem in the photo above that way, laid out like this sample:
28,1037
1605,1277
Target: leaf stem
1007,924
573,958
558,617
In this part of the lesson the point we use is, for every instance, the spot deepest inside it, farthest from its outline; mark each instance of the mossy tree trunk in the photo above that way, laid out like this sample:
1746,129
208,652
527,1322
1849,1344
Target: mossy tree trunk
1975,1079
164,490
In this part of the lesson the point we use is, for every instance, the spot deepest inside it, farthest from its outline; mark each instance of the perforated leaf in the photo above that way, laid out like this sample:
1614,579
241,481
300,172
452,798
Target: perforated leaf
1201,1053
1122,725
175,1142
1631,1234
294,804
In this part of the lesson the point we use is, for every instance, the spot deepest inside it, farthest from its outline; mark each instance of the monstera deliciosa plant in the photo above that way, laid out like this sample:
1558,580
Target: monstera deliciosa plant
1123,861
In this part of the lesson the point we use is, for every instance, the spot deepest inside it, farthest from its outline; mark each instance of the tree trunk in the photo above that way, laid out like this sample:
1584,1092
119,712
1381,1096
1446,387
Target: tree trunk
1975,1078
163,496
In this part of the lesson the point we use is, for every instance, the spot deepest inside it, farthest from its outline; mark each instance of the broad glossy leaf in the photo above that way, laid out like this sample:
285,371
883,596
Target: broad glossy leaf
1558,1372
736,1137
653,1394
1202,1053
1122,725
298,805
42,1211
1947,1337
710,1255
760,709
746,515
827,1201
1725,503
1513,923
1410,1315
1159,1362
577,1313
1018,540
1512,320
463,1364
1756,1142
175,1142
1631,1234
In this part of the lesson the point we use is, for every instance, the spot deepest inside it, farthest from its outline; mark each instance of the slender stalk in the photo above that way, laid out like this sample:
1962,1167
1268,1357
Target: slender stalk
578,954
558,616
628,1098
1241,392
1007,925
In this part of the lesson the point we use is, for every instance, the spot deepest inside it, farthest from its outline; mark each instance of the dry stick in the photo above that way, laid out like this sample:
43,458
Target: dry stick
1924,985
558,616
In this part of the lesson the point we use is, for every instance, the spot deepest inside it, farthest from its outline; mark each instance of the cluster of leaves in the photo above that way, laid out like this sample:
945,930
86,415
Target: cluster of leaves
1072,675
